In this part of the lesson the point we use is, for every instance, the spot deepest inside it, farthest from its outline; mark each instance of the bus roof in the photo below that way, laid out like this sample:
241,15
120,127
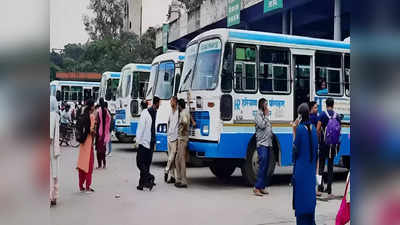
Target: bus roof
74,83
176,56
137,67
112,74
274,39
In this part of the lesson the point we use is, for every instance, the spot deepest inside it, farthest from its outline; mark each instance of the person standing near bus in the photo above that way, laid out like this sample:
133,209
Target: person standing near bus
146,139
264,144
183,138
86,151
103,134
328,130
170,171
54,150
305,147
112,127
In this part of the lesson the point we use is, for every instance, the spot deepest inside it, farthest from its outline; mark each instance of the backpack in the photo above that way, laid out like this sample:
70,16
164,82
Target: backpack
82,128
332,130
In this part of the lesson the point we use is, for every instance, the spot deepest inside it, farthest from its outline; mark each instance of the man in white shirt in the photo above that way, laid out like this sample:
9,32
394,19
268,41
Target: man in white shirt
146,139
172,135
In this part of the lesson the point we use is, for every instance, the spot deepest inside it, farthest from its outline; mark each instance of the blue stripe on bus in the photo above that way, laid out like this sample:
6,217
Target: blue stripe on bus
181,57
276,130
288,40
143,67
130,130
234,145
161,142
115,75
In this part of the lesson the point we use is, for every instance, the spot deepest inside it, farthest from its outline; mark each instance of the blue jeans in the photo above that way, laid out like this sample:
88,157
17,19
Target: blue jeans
109,147
263,159
307,219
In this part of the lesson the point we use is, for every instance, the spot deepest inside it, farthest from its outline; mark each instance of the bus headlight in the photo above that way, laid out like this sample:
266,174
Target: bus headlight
205,130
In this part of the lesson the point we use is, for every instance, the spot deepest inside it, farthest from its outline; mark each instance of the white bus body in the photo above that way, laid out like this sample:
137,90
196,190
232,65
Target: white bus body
227,71
131,91
72,92
165,75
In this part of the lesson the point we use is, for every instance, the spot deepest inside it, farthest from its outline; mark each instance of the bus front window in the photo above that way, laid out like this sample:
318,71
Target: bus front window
165,78
190,59
139,81
205,76
153,77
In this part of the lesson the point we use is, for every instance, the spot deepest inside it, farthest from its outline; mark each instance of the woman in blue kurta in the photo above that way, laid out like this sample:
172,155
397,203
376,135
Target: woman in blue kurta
304,173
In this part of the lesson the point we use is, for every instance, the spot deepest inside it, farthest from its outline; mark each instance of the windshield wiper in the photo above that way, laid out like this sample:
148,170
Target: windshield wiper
186,78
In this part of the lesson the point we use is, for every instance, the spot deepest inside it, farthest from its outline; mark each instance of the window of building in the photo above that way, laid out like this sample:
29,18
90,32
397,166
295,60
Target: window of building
245,68
274,70
328,73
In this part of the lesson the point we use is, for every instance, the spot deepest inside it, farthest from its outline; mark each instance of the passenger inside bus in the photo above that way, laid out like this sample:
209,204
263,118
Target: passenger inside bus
322,90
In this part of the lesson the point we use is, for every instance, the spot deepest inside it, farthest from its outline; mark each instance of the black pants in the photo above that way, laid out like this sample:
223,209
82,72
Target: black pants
143,161
101,159
326,152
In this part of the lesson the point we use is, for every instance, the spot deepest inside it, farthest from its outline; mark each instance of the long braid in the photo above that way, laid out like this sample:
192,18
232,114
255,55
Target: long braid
310,140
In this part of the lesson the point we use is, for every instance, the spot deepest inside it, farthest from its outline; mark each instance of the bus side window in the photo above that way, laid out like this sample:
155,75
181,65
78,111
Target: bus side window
227,69
58,95
274,70
328,73
347,80
245,69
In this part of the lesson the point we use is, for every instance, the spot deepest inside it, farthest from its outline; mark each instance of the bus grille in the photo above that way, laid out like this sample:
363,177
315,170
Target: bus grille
202,119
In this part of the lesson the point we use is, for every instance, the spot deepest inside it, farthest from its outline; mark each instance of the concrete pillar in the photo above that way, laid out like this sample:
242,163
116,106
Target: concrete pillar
337,29
285,29
291,22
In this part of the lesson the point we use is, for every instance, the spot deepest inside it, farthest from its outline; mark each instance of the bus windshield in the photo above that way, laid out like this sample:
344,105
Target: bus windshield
165,80
153,75
111,91
139,83
190,59
205,76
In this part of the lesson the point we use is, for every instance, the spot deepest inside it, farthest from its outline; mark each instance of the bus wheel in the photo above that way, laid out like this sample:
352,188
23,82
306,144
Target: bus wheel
125,139
222,168
250,166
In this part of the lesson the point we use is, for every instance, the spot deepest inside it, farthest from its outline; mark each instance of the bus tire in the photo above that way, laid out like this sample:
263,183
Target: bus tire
124,139
250,166
222,168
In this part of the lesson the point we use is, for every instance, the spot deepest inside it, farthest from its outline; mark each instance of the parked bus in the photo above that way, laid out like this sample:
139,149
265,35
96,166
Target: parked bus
108,89
227,71
131,91
164,81
72,92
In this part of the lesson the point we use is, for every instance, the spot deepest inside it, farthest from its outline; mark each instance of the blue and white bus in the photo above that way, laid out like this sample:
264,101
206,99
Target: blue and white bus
108,89
227,71
72,92
131,91
166,70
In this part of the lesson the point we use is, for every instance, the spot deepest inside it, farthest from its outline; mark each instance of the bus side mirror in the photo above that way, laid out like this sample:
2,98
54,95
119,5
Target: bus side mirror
58,96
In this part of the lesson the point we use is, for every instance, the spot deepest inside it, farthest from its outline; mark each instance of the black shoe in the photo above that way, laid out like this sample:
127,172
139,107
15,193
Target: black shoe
180,185
166,177
171,181
139,187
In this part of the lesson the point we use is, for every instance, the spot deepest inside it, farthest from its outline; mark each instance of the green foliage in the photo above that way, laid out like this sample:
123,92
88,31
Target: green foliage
108,20
110,48
191,5
106,54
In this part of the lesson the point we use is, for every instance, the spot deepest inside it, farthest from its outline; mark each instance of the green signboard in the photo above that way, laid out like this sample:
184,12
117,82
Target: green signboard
165,29
233,12
270,5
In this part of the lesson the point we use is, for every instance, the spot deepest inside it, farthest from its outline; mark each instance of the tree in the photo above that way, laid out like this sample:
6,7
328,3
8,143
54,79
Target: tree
108,20
191,5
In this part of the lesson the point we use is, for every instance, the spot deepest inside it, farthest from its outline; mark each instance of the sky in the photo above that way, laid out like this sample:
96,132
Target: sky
66,24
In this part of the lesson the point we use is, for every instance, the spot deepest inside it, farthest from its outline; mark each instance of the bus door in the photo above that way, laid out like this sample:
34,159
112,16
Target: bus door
302,69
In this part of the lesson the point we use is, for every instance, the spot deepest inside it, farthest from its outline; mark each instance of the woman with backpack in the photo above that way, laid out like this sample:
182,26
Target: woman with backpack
305,149
86,154
103,133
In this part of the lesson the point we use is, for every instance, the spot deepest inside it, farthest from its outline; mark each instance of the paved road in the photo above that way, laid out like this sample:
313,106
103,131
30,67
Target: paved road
206,201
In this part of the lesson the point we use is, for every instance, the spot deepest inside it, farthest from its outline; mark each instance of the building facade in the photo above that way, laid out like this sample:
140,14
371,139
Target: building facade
133,16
